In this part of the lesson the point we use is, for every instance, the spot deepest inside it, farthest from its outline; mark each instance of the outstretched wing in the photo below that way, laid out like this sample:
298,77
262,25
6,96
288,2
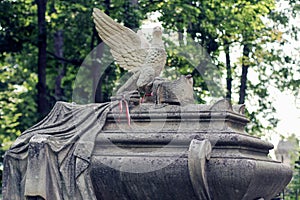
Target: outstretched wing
126,46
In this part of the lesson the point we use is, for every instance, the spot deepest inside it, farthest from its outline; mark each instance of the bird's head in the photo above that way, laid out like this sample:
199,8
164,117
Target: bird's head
189,79
157,31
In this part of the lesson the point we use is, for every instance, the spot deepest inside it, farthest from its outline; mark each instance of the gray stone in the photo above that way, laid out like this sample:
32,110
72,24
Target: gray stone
51,159
167,152
151,158
157,151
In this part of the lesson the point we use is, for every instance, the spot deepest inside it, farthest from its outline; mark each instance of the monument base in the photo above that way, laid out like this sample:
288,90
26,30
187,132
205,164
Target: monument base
191,152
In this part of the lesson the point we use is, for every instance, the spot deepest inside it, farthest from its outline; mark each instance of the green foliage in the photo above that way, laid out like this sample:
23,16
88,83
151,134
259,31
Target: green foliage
17,103
210,24
254,24
292,191
18,56
17,24
187,57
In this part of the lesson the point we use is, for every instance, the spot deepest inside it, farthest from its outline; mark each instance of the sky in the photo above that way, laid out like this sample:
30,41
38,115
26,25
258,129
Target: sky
288,111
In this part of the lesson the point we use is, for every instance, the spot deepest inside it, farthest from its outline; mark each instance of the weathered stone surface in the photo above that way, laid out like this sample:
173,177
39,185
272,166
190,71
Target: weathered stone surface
168,152
178,92
150,158
51,159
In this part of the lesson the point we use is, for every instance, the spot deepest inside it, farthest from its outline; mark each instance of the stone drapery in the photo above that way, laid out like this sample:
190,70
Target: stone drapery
51,159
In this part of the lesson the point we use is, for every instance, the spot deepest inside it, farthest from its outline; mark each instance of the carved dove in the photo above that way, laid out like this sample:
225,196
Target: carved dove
132,52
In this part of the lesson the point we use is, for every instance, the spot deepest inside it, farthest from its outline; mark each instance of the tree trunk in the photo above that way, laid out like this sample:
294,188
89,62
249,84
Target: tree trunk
58,47
180,37
96,69
42,58
245,66
228,71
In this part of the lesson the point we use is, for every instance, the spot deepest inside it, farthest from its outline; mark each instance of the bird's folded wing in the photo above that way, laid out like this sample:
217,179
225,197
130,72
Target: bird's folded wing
126,46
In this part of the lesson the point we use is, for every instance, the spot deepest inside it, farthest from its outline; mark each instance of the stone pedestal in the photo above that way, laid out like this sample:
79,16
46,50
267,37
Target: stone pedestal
191,152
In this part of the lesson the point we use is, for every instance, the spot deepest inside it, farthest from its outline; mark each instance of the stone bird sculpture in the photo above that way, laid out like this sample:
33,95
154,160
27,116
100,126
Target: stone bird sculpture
132,52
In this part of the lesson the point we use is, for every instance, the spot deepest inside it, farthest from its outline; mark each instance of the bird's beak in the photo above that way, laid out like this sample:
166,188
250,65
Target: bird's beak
188,76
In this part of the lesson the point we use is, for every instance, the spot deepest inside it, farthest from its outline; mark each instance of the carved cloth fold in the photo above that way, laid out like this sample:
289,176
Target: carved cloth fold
51,159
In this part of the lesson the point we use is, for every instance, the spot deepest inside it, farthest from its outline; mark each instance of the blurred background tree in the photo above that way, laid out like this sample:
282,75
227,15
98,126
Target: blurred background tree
43,43
288,152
